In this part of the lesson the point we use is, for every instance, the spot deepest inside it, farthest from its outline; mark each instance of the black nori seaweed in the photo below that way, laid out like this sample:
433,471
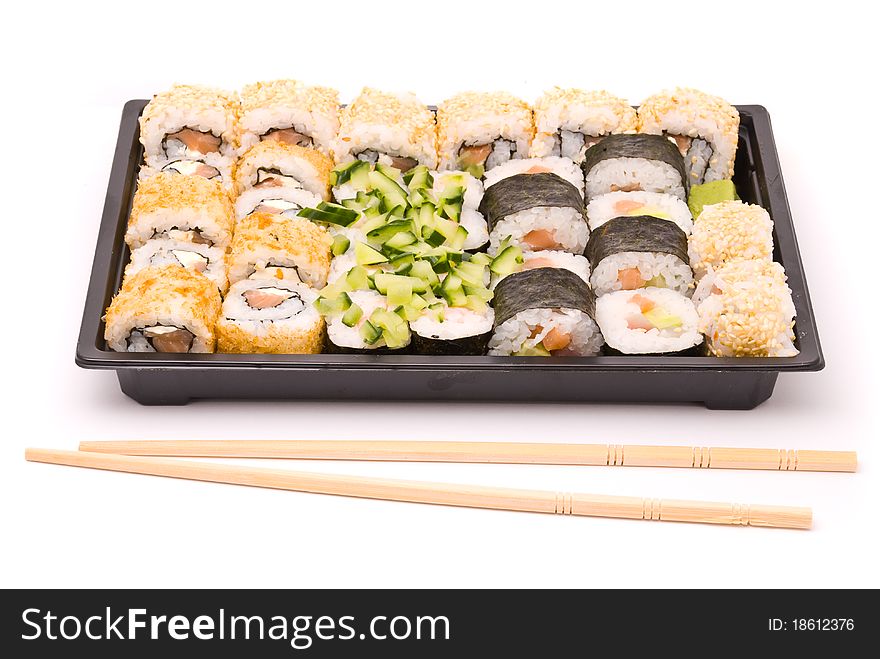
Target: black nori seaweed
331,348
698,350
650,147
639,233
477,344
524,191
542,288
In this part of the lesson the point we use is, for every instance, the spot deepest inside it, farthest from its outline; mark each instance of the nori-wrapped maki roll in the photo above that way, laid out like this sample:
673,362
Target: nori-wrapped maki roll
627,253
544,312
452,331
629,163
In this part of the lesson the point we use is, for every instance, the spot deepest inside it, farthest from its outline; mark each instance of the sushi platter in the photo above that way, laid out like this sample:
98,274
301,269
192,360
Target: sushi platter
274,244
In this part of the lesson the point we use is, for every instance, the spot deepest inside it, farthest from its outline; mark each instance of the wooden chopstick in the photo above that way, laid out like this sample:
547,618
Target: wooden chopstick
498,452
472,496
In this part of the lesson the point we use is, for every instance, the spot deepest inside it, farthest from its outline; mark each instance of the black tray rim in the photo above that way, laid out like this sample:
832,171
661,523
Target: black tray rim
102,286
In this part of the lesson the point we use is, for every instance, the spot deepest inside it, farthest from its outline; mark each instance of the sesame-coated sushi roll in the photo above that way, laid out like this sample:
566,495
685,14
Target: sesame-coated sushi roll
562,167
535,212
627,253
191,130
268,315
272,245
392,129
705,129
291,112
187,208
648,321
570,121
629,163
544,312
271,165
746,310
208,260
729,231
165,309
606,207
480,130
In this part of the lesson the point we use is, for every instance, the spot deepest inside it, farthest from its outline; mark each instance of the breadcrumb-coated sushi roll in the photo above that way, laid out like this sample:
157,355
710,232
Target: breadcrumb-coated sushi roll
165,309
191,129
480,130
270,316
746,310
705,129
283,247
570,121
271,165
729,231
187,208
392,129
291,112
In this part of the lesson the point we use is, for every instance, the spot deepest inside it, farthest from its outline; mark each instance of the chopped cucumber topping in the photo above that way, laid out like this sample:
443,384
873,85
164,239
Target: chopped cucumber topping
330,213
366,255
340,245
533,351
351,317
506,261
370,333
358,278
327,306
385,281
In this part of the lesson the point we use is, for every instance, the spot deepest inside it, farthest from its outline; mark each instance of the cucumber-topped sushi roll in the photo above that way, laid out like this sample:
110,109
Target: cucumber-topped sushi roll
627,253
544,312
268,315
396,130
445,330
459,195
184,208
271,245
606,207
746,310
562,167
535,211
648,321
480,130
163,309
363,321
629,163
704,128
270,166
570,121
208,260
729,231
191,130
511,259
291,112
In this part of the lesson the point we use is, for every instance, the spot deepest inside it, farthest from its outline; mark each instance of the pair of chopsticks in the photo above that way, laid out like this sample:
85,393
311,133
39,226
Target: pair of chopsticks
151,458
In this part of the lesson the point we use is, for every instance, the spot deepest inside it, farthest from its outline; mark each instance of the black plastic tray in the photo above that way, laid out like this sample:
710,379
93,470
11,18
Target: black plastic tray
164,379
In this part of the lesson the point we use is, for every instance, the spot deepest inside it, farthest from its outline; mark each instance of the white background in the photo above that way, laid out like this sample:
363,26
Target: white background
67,72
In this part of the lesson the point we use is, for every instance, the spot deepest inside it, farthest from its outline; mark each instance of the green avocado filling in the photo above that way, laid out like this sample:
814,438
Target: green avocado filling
713,192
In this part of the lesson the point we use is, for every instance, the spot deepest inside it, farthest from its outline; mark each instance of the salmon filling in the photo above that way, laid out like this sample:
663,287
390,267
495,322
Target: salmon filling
287,136
162,338
486,156
190,260
272,178
541,239
192,168
401,163
185,235
277,206
631,187
266,298
188,141
555,339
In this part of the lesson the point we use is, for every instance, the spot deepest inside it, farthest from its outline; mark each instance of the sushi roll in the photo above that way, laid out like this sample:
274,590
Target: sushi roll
477,131
535,211
544,312
363,322
445,330
746,310
562,167
397,130
272,165
290,112
164,309
463,190
630,163
271,245
511,260
627,253
191,130
648,322
728,231
268,315
208,260
282,199
705,129
570,121
183,208
630,204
